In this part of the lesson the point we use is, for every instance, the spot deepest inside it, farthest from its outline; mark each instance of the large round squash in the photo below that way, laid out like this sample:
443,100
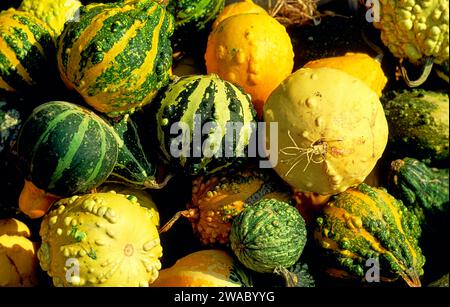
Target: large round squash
331,130
117,55
206,268
100,239
253,51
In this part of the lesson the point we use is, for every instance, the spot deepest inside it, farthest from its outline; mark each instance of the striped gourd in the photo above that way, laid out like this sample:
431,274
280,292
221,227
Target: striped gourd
366,223
268,235
133,167
117,55
209,104
66,149
25,46
195,14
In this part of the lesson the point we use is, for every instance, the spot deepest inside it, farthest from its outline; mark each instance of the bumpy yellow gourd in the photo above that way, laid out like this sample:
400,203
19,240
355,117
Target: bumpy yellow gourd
359,65
236,8
53,12
253,51
100,239
18,261
331,130
206,268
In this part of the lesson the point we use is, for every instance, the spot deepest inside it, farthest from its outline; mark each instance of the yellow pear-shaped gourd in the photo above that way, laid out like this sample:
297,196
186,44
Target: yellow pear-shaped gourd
100,239
331,130
206,268
18,261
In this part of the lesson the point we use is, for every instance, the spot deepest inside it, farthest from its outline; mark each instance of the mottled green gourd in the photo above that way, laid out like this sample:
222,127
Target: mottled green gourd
365,223
206,104
418,125
117,55
26,49
133,166
268,235
66,149
423,189
194,14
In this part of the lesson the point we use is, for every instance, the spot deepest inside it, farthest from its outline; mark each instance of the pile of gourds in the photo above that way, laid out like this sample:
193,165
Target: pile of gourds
108,138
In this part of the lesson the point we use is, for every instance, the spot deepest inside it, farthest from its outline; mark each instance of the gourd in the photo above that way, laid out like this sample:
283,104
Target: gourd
26,47
442,282
237,8
253,51
217,199
91,235
134,166
325,146
424,190
118,55
143,198
359,65
365,223
268,235
419,125
54,13
205,268
18,261
416,31
65,149
193,105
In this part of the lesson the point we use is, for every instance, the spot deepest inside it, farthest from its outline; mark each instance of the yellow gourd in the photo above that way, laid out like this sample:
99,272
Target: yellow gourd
359,65
18,261
236,8
206,268
331,130
253,51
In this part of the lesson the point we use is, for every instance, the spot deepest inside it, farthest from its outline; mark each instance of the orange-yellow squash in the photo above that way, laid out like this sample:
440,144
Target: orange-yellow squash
237,8
253,51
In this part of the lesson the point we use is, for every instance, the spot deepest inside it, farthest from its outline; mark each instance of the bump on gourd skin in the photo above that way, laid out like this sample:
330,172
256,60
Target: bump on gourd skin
218,199
366,222
422,189
110,235
268,235
418,125
415,29
18,261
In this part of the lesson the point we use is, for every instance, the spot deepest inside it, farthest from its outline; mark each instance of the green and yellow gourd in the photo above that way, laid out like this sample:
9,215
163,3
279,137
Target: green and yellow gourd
66,149
118,55
26,48
268,235
93,233
415,30
418,125
423,189
54,13
218,198
195,104
365,223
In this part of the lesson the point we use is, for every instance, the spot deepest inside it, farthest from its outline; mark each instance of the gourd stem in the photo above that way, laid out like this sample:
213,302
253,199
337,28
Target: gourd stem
373,46
152,184
428,66
290,278
169,224
411,278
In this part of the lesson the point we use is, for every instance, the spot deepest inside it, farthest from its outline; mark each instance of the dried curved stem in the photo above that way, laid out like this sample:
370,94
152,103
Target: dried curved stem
427,67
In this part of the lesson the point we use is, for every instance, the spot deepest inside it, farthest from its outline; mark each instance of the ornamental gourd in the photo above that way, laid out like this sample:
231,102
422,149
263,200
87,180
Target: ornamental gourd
205,268
268,235
415,30
237,8
359,65
193,105
94,229
18,262
118,55
54,13
253,51
365,223
195,15
419,125
26,48
325,146
217,199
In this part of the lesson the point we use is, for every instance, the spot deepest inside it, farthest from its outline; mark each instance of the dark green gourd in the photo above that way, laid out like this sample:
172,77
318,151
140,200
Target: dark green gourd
66,149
